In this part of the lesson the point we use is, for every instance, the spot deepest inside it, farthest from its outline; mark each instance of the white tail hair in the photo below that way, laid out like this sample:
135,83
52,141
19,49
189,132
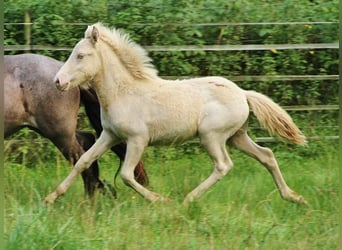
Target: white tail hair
275,119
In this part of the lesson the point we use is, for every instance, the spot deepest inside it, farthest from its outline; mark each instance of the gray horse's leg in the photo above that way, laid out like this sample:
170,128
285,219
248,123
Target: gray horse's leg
216,147
265,156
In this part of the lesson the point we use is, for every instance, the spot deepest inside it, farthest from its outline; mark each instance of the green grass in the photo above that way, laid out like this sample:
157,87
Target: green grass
242,211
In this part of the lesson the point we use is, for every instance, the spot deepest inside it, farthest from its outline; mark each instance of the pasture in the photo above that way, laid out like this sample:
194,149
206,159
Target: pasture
242,211
252,42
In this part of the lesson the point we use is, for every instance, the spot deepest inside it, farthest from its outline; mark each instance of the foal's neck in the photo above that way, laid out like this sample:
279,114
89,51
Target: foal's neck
112,79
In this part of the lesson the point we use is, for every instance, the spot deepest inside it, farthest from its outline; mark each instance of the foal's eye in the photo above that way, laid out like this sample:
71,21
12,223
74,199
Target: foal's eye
80,56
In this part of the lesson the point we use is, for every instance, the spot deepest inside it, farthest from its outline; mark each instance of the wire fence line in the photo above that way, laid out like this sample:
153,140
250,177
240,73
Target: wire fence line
199,24
310,138
266,78
244,47
226,47
10,142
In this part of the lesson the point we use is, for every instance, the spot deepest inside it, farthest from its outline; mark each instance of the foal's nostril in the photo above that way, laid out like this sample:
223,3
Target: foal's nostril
57,81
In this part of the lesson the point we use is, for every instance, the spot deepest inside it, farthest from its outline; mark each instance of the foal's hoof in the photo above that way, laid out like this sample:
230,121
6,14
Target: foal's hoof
160,198
188,200
301,200
165,199
296,198
50,199
47,202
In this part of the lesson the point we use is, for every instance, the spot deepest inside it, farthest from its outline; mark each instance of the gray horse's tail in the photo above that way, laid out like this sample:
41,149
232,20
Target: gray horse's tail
275,119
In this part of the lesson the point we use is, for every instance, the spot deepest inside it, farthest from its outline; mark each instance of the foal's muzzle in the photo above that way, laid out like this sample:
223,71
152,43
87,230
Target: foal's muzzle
61,83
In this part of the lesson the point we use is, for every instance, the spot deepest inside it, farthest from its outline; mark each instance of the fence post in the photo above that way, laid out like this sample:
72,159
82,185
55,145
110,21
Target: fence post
27,28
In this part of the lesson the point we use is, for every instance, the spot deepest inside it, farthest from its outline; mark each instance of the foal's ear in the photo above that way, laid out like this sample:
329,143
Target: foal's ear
94,35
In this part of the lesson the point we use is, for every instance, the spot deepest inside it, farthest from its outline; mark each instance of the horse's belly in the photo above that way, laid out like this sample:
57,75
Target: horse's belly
171,133
170,139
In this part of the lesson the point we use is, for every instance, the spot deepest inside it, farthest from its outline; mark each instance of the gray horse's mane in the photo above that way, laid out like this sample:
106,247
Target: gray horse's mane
131,54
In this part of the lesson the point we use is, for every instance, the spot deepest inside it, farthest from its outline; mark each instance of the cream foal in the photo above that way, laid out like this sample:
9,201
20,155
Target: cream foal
141,109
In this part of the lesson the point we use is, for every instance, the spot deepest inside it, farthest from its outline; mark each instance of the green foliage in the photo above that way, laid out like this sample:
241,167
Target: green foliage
30,149
179,23
182,23
51,22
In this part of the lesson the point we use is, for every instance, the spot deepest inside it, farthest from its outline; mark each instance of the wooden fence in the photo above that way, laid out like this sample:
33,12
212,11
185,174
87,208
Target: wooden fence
249,47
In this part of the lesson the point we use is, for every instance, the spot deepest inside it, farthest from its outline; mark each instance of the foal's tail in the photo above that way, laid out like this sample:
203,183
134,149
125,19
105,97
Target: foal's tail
275,119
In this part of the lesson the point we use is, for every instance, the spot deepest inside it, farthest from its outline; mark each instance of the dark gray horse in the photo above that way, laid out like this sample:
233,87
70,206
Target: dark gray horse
32,100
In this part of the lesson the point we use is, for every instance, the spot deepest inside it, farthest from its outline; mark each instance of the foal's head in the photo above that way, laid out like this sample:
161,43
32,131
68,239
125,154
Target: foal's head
102,47
83,64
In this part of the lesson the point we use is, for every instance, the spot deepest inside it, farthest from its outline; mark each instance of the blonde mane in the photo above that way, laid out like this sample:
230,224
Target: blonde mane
131,54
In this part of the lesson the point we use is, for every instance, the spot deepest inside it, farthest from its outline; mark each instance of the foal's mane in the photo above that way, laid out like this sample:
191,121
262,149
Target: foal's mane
132,55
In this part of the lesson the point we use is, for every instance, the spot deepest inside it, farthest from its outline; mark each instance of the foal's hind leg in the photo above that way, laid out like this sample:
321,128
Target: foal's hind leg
216,147
265,156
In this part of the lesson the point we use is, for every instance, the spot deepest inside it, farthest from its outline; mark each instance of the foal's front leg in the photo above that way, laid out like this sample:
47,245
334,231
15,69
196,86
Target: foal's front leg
135,149
104,142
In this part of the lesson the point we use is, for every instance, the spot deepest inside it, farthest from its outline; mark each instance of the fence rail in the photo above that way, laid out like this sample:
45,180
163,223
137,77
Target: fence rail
228,47
311,108
267,78
311,138
9,142
199,24
248,47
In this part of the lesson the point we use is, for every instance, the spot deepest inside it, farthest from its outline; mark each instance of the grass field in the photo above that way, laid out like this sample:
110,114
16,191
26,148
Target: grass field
242,211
